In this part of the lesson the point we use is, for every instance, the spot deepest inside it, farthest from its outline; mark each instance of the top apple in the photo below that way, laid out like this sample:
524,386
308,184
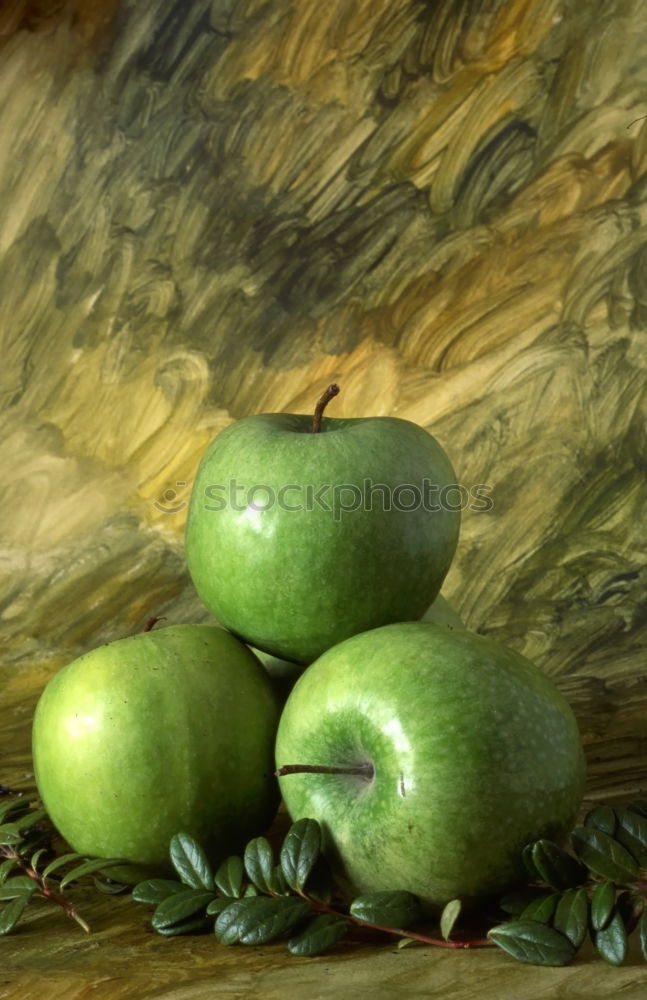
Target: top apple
302,532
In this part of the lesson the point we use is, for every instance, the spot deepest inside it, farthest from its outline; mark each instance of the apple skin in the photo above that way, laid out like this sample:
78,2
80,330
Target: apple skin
475,753
293,583
166,731
284,673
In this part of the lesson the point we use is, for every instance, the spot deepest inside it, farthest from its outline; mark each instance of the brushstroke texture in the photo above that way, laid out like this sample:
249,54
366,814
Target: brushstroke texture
212,209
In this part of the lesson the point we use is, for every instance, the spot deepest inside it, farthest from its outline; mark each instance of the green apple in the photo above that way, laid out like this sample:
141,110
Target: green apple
166,731
441,612
446,753
284,673
298,538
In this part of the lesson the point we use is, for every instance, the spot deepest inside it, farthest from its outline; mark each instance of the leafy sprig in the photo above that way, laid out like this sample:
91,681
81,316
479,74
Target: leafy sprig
598,889
254,899
30,870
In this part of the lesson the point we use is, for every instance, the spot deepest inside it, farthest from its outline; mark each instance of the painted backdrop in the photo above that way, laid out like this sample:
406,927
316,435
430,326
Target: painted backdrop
210,209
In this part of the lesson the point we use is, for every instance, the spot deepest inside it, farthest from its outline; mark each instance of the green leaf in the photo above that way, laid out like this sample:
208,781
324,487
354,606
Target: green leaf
229,877
604,855
449,916
532,942
639,807
630,907
89,867
9,835
601,818
179,906
388,909
259,919
59,862
109,888
611,942
517,900
278,884
190,862
6,867
557,868
300,850
156,890
259,862
184,927
572,915
29,819
12,912
526,857
642,934
16,806
319,884
250,890
36,856
217,905
541,909
631,831
318,935
17,886
603,899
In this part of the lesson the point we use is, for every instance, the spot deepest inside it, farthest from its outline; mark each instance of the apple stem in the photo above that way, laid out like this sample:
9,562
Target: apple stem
330,393
364,770
150,624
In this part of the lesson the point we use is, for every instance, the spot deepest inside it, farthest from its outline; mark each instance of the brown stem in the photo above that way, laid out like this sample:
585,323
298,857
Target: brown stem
399,932
322,403
44,890
364,770
152,622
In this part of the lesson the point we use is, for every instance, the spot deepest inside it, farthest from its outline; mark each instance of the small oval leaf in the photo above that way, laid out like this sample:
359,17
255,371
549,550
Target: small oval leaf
59,862
517,900
541,909
6,867
603,899
601,818
259,919
190,862
9,835
259,863
12,912
630,907
449,916
533,943
216,906
229,877
604,855
388,909
179,906
88,868
611,942
631,831
557,868
299,852
572,915
318,935
18,886
184,927
156,890
642,934
526,857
